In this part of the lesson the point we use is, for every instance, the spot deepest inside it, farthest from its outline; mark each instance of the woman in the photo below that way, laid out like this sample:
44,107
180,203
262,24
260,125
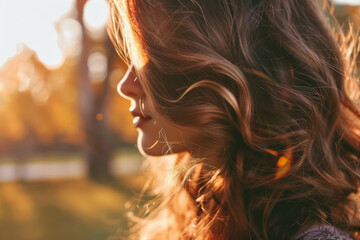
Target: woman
251,97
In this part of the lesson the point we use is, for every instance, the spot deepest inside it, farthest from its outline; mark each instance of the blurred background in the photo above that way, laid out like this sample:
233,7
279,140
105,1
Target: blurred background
69,168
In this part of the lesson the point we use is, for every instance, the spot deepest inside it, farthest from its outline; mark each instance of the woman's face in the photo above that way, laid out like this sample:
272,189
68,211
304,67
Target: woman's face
157,135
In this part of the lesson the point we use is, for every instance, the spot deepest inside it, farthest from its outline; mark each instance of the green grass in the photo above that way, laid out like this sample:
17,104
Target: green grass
64,210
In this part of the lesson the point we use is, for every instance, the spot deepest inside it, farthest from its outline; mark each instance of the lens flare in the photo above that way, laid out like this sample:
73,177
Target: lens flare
97,65
70,36
96,13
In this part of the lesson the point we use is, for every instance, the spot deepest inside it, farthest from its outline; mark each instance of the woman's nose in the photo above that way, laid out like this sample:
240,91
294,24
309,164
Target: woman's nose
129,87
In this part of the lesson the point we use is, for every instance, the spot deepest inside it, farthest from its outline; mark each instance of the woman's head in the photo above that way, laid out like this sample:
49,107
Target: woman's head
258,86
256,71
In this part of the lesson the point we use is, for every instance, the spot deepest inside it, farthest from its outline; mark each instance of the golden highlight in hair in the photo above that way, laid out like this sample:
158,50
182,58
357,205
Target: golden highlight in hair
122,21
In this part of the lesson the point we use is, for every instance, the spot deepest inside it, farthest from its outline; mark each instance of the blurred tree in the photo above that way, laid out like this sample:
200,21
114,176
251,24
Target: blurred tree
40,107
97,147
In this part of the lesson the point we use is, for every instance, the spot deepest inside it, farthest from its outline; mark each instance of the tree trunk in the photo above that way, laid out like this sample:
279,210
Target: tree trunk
96,148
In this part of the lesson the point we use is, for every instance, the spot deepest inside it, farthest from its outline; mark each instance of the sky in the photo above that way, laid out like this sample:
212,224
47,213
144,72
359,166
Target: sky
46,27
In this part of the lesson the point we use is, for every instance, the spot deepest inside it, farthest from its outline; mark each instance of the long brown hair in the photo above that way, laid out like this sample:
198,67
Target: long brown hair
262,84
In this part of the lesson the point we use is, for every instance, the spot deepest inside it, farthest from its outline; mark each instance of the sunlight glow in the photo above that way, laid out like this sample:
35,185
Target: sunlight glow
25,73
70,37
32,23
97,65
136,51
349,2
39,92
47,48
96,13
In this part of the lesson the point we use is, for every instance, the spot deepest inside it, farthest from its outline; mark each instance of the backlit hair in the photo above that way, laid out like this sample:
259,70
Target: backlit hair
262,83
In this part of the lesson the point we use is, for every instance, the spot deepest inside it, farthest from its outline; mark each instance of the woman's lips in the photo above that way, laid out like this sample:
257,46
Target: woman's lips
139,119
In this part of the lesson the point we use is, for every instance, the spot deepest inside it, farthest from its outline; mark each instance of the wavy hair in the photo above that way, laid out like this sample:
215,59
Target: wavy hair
264,84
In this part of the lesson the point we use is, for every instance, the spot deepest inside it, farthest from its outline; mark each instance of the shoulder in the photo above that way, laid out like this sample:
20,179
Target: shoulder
326,232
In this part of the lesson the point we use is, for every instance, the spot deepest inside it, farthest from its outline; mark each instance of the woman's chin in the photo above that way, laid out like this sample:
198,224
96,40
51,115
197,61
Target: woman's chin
150,146
147,146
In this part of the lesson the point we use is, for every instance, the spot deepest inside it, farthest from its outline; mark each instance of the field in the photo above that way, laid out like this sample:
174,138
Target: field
65,209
